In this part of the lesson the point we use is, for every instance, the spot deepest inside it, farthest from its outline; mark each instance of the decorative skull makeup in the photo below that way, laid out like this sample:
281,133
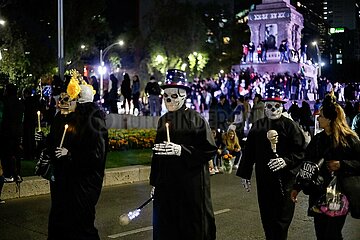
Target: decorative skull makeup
273,110
174,98
64,101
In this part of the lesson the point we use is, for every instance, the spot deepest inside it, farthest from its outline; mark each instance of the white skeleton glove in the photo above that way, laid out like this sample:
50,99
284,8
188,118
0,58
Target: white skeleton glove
276,164
246,184
39,136
167,148
60,152
152,192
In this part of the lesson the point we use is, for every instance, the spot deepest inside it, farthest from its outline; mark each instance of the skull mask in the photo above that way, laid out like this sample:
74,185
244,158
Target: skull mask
174,98
273,110
64,101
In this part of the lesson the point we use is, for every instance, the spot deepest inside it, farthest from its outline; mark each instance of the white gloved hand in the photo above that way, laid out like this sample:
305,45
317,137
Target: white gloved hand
39,136
276,164
152,192
167,148
246,184
60,152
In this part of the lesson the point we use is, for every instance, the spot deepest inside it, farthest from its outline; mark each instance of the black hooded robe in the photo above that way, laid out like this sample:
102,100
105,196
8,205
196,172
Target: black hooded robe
276,211
182,207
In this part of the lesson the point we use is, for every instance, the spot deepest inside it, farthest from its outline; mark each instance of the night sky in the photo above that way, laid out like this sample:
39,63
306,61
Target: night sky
121,14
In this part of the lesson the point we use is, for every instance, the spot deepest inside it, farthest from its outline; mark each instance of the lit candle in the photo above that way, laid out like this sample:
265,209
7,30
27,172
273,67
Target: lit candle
39,125
167,132
63,136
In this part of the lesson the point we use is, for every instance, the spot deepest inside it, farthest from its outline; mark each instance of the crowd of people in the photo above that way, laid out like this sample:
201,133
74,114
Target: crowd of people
236,113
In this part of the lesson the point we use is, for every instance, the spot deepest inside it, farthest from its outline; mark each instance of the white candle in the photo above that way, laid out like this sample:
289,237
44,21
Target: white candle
167,132
63,136
39,124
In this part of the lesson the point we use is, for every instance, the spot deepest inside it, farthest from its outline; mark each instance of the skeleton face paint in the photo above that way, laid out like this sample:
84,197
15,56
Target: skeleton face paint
64,101
174,98
273,110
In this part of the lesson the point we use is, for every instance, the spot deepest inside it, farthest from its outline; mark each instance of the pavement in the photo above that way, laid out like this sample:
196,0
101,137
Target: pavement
35,185
236,214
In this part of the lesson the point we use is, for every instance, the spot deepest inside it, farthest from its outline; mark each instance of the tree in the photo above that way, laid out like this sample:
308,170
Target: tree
177,31
34,25
14,65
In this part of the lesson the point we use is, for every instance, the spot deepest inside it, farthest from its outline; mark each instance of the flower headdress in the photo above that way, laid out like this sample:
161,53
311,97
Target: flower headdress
78,87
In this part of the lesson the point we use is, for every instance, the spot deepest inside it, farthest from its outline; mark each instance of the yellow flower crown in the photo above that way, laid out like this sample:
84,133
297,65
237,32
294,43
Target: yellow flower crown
73,88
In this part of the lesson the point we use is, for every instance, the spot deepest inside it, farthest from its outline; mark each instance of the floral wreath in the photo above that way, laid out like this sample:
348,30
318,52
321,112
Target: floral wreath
73,88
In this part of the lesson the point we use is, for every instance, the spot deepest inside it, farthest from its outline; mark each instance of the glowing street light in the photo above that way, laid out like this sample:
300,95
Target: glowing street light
2,22
102,68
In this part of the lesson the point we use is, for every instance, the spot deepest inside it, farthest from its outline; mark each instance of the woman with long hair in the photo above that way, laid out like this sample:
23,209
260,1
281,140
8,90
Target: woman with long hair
135,93
339,146
231,144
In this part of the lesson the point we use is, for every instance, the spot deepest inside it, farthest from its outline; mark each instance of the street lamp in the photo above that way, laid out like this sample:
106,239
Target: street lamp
102,69
320,63
2,22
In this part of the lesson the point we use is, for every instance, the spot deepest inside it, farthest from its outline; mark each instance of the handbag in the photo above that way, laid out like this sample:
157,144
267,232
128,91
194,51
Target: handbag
333,203
351,188
309,178
43,167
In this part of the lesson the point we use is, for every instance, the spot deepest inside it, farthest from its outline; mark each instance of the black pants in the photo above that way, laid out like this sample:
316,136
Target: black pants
10,161
135,98
329,228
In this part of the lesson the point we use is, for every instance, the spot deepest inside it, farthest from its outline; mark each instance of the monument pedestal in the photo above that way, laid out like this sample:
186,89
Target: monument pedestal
276,67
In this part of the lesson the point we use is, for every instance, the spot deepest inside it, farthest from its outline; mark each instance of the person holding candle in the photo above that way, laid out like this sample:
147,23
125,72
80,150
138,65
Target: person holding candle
77,146
179,170
31,122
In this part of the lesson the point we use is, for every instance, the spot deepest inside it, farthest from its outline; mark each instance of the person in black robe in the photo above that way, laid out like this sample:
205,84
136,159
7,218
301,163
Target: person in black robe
79,166
275,173
182,207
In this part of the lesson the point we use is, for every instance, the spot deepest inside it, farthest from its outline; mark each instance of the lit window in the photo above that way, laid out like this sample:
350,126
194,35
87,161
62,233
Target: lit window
339,61
338,56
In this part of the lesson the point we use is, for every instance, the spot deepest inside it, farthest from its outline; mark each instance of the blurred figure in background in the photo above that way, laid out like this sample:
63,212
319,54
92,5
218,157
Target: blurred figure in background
113,94
153,89
95,84
11,134
135,93
126,92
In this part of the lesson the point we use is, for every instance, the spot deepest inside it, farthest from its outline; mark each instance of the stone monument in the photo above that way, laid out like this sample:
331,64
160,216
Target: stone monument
273,22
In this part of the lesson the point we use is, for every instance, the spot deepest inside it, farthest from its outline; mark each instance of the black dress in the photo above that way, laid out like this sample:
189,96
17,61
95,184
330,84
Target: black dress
182,207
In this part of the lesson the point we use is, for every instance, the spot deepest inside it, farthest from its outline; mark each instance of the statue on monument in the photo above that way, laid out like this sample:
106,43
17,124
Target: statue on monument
270,33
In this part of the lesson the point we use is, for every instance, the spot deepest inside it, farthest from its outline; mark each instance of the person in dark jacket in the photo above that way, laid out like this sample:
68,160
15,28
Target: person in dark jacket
31,106
113,94
339,146
126,92
182,207
276,165
135,93
79,166
11,134
153,90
